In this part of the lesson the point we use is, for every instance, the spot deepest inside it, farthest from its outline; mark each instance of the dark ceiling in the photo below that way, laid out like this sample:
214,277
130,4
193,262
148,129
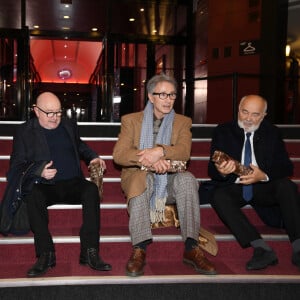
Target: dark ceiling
151,18
106,15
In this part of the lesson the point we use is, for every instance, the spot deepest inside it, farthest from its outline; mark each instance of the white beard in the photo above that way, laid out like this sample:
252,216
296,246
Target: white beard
246,127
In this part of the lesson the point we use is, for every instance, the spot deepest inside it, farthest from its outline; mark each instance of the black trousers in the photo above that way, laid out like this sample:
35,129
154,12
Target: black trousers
73,191
228,201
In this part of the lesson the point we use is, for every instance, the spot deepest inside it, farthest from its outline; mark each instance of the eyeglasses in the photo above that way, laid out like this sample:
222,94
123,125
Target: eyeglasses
51,114
164,96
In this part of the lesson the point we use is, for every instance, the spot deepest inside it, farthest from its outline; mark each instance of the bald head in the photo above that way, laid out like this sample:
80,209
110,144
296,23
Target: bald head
252,110
255,100
48,103
48,100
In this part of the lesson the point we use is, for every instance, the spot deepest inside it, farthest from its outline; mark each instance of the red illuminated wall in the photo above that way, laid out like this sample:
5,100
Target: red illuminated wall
229,24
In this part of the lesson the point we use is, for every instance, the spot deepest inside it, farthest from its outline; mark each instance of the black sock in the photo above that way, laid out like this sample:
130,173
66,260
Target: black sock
190,244
260,243
143,245
296,245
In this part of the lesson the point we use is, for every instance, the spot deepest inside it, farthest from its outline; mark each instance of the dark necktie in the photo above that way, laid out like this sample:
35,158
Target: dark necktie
156,126
247,189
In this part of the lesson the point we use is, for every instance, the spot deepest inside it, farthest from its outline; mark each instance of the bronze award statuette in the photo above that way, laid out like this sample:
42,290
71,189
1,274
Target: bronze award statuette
219,157
96,175
176,166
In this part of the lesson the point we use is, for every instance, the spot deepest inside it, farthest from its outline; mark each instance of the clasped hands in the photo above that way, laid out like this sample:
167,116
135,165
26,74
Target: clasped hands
153,158
49,171
229,166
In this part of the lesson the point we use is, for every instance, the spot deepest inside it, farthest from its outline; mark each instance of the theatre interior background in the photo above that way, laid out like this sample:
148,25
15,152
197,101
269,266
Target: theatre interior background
98,55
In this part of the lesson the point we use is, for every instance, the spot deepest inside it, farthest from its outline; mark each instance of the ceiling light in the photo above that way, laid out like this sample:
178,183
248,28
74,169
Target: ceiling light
36,26
66,17
142,9
131,19
94,29
64,74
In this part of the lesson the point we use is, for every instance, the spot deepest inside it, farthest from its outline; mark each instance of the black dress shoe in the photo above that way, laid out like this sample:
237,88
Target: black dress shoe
296,259
91,258
46,261
261,259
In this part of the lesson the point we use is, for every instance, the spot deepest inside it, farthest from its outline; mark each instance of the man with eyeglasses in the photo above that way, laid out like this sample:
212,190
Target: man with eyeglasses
149,140
53,145
265,186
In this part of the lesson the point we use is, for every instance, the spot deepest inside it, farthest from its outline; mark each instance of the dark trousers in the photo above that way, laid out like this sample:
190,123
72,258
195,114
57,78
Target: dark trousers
227,202
73,191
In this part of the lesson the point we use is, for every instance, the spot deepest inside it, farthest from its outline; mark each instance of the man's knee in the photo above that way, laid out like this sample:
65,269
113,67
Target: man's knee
185,179
90,188
35,195
286,188
286,183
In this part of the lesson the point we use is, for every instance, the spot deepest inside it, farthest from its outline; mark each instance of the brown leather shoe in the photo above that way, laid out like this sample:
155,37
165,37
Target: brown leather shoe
136,263
197,259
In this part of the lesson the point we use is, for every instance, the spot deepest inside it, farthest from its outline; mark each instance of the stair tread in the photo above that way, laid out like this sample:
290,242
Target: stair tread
161,259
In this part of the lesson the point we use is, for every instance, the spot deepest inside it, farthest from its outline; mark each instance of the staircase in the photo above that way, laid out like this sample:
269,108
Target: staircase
164,256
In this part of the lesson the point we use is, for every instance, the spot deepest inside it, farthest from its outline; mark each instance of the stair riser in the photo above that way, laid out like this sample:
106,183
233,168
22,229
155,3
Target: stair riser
115,222
112,192
199,147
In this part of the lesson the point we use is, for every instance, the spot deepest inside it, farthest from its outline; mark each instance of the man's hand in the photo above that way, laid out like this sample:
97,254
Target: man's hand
226,167
99,161
256,176
148,157
48,172
161,166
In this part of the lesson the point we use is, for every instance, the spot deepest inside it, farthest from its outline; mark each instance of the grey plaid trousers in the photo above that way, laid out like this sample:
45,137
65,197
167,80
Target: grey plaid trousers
182,190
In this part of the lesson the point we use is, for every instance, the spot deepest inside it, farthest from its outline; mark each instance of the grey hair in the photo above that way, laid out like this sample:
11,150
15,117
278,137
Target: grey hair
159,78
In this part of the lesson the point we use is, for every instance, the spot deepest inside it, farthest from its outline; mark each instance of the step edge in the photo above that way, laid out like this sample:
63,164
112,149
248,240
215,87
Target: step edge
126,239
153,279
118,179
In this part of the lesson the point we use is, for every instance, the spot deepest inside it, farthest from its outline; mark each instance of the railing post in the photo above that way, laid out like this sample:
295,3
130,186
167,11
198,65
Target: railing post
234,94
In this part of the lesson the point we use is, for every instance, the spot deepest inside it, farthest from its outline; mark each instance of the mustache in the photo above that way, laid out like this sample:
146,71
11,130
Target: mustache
247,125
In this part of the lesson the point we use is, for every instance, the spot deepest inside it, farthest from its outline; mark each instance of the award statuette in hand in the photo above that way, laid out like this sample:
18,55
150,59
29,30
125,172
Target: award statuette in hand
176,166
96,175
219,157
